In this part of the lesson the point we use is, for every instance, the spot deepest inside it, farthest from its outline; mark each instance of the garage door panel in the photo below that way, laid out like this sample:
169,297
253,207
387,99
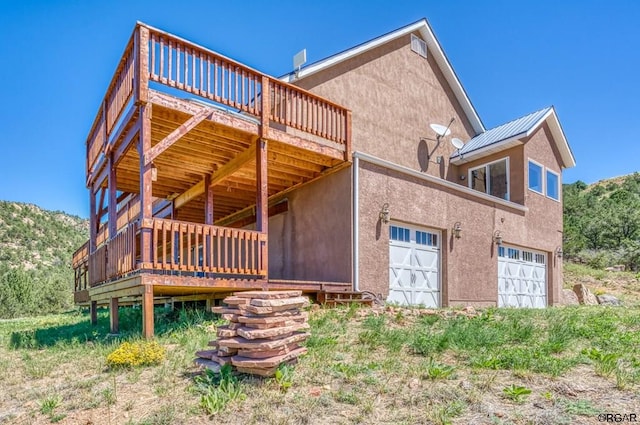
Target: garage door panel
414,261
521,278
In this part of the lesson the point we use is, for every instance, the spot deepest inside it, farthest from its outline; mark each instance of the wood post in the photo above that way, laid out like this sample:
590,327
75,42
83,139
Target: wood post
262,185
146,183
114,318
147,312
262,203
208,200
94,312
141,65
93,224
113,202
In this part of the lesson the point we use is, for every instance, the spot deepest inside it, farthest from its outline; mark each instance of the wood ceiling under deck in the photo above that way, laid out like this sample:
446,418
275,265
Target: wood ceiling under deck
210,145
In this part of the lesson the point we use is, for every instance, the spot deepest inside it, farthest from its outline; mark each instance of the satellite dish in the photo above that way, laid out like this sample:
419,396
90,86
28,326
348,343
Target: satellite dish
299,59
457,143
440,130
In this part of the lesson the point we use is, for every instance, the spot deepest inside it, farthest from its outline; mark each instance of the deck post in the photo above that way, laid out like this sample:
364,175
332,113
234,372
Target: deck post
113,203
93,309
114,318
93,226
208,200
147,312
262,185
146,201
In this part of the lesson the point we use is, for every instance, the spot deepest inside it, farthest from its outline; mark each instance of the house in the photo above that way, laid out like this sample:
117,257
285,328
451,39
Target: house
334,181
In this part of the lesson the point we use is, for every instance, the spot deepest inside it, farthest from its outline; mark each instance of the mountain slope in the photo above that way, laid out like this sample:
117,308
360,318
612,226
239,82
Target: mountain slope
602,222
35,255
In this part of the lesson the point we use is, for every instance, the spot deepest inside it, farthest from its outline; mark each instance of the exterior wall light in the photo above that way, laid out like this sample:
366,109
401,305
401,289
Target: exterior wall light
559,252
385,215
457,228
497,237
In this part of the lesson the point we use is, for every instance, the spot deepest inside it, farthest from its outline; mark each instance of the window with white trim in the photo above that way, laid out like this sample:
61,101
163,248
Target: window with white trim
491,178
553,183
535,177
418,45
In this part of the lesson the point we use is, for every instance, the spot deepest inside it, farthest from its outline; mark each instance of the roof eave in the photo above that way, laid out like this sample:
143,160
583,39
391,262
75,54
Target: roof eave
487,150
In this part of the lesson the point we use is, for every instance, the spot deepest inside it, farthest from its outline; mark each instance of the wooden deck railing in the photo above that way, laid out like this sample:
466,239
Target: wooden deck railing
180,64
192,247
177,246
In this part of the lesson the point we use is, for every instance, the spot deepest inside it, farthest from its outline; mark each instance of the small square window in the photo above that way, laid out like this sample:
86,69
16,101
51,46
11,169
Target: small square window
535,177
552,185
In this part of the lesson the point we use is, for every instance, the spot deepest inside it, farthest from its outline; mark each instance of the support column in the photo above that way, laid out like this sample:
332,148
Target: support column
208,200
94,312
114,317
262,203
113,201
93,225
146,186
147,312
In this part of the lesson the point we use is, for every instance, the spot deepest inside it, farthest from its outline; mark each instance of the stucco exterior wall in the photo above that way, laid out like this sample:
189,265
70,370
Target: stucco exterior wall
469,264
395,94
312,240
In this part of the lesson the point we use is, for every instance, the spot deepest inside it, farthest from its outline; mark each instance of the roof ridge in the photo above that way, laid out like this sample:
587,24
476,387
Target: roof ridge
546,109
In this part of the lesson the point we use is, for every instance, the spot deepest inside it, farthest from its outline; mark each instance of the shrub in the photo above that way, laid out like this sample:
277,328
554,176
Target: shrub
132,354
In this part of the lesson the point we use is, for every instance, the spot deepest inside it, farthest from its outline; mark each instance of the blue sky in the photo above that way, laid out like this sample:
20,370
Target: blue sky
513,57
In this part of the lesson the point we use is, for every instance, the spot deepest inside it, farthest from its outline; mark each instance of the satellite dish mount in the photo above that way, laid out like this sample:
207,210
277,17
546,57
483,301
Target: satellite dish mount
299,59
441,130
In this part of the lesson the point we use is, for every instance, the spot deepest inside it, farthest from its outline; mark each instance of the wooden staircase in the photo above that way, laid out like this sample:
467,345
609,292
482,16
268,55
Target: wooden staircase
335,298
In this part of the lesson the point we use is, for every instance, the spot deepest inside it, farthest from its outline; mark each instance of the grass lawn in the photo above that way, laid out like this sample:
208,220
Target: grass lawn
397,366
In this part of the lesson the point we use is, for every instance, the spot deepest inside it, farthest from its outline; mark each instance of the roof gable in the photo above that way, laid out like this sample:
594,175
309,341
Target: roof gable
512,133
433,46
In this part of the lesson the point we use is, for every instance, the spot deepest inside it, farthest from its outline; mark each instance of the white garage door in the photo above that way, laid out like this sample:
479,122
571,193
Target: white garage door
522,278
414,264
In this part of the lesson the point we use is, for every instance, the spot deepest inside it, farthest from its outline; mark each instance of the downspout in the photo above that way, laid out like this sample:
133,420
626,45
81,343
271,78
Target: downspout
356,221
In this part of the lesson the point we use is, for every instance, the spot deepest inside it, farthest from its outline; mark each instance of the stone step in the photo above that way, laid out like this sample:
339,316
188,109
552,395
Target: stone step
263,354
267,295
250,333
267,363
259,344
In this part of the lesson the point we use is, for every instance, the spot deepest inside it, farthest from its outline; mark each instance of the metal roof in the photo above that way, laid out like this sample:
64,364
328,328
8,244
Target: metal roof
513,129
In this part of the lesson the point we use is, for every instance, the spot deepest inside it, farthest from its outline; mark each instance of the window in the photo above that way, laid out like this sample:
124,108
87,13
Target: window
397,233
425,238
527,256
552,185
502,252
492,178
418,45
535,177
540,258
513,253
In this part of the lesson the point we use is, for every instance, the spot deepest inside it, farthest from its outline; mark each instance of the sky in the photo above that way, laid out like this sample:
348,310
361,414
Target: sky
512,57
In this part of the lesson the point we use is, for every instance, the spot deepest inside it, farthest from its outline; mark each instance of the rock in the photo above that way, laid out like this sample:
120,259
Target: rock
250,333
205,354
225,332
616,268
273,321
268,295
261,344
584,295
209,364
221,360
606,299
230,317
569,297
263,354
233,300
287,303
225,310
267,363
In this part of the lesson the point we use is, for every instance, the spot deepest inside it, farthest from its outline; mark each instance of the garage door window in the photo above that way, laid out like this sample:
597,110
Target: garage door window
397,233
425,238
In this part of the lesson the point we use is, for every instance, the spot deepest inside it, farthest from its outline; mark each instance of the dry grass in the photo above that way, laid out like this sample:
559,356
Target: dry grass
363,366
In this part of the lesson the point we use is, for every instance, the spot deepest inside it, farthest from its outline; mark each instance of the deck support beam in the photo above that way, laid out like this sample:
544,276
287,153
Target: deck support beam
114,318
147,312
217,177
93,310
208,200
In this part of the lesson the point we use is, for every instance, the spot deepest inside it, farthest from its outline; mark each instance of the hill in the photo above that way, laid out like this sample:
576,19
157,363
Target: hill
35,254
602,222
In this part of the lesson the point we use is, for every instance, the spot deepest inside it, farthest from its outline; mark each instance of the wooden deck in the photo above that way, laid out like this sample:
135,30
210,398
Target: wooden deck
189,154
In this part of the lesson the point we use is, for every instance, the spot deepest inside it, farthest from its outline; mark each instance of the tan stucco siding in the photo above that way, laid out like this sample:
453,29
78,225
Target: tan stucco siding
469,264
312,240
395,94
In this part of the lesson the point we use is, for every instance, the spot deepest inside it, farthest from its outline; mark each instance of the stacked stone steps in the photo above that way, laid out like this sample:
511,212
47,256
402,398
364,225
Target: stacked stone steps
265,330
